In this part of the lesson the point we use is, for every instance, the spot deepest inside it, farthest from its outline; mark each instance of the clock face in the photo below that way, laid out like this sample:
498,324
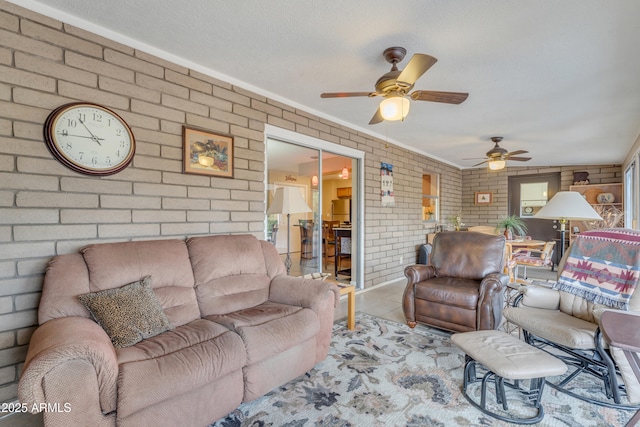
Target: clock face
89,139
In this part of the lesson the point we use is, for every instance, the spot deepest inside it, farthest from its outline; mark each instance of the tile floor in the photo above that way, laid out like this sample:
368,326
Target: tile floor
382,301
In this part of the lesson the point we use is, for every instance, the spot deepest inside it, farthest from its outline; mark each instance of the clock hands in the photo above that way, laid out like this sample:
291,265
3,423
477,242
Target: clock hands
93,137
81,136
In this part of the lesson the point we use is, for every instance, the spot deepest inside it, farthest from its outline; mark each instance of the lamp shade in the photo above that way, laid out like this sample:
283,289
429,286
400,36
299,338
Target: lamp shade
568,205
394,108
288,200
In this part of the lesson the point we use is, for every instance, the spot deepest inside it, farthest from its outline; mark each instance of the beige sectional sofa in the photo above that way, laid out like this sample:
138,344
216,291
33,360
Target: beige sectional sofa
236,326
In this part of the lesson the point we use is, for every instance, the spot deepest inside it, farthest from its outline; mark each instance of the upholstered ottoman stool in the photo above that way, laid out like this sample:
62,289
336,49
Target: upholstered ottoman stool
506,357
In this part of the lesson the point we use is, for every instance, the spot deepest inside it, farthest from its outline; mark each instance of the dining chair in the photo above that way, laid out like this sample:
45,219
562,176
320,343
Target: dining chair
273,235
526,257
306,239
343,254
328,241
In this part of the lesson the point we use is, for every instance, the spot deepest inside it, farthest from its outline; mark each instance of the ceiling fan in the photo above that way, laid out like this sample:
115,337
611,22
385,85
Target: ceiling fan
497,156
395,85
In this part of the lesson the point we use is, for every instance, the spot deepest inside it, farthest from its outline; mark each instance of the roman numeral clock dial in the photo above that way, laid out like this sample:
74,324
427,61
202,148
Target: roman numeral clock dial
89,138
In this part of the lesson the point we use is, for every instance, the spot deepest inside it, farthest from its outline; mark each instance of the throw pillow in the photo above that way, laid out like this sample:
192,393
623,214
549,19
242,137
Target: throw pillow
128,314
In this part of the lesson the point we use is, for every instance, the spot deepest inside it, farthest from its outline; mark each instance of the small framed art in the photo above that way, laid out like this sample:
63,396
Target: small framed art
207,153
483,198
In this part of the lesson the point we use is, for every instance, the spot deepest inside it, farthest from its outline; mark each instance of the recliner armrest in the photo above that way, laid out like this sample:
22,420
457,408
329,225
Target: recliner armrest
302,292
419,272
539,297
491,300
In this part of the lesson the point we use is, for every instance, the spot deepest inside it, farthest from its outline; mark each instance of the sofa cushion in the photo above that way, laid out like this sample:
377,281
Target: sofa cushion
271,328
111,265
230,273
176,362
128,314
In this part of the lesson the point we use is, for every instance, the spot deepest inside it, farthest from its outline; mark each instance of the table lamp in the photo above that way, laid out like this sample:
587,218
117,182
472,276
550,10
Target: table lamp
567,206
288,200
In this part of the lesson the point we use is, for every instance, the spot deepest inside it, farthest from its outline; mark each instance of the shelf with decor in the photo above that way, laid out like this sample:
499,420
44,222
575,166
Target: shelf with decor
607,200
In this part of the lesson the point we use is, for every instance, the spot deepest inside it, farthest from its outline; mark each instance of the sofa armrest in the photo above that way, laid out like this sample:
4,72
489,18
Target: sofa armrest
64,341
302,292
539,297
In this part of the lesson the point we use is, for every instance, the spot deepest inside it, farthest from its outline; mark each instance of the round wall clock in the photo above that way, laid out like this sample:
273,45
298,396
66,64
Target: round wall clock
89,138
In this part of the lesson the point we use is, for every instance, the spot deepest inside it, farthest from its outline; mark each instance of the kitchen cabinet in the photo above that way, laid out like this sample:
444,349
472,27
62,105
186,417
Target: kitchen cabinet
344,192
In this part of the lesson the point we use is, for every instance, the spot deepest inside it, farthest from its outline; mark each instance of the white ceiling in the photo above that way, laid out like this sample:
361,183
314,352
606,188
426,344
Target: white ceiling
559,78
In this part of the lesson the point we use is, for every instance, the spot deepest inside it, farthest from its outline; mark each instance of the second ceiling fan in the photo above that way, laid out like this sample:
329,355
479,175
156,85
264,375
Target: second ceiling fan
395,85
498,156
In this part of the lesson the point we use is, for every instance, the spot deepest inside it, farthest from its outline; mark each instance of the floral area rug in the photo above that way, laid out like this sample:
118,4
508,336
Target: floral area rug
385,374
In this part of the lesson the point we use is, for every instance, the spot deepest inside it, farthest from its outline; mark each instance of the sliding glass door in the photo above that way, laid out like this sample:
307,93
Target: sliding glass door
323,235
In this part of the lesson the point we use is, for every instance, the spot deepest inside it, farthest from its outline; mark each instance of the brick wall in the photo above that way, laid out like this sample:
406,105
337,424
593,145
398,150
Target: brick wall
497,182
47,210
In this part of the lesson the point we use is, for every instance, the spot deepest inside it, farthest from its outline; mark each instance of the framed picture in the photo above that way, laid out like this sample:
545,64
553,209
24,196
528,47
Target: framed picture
207,153
483,198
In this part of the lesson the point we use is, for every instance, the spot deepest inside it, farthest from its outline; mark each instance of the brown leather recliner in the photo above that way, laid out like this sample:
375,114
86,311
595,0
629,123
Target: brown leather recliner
462,289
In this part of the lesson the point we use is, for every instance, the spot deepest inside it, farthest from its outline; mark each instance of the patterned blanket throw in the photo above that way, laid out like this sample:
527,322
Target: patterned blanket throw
603,266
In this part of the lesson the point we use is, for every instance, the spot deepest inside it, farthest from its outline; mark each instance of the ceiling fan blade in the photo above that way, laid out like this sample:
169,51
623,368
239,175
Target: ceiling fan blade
345,94
515,153
519,159
478,164
435,96
417,66
377,117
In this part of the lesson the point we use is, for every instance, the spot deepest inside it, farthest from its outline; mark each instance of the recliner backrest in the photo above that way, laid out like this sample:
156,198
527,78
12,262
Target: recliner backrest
467,254
232,272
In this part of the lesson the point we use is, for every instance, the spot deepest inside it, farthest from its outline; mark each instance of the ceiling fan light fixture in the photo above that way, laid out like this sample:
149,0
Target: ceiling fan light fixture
394,108
496,165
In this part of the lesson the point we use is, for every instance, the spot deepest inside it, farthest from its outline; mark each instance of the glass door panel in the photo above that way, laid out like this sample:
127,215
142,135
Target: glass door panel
295,166
339,211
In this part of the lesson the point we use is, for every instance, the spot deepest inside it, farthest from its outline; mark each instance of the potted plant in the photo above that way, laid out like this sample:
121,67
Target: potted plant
456,221
512,225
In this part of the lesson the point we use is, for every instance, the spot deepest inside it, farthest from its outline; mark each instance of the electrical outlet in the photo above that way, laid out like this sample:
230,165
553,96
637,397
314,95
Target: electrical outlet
401,259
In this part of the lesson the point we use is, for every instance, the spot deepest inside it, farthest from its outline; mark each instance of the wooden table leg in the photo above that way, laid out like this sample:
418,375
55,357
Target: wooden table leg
351,310
350,291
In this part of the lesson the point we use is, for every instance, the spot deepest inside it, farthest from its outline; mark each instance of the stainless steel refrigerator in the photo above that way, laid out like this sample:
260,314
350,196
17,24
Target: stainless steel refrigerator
341,210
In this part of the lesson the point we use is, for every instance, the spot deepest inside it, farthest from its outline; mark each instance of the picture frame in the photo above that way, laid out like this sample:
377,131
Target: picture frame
207,153
483,198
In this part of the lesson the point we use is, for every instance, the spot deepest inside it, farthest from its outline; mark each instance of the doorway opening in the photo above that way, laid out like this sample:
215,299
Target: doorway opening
527,195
